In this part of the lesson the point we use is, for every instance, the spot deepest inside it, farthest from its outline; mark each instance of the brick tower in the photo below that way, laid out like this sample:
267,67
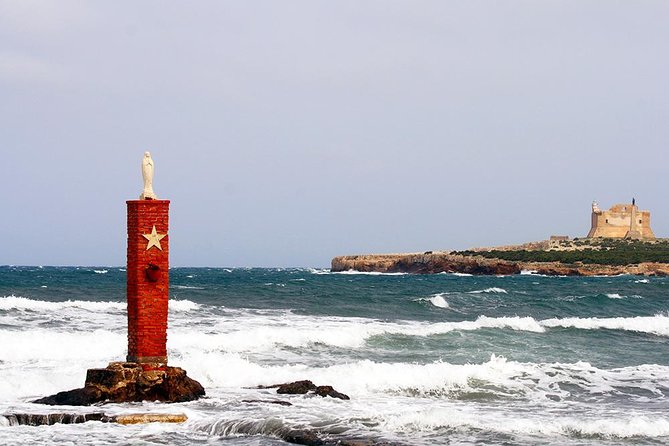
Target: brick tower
145,375
148,281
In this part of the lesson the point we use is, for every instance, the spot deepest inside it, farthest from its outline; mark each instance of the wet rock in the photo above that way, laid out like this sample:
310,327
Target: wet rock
279,402
304,387
304,437
122,382
31,419
329,391
296,388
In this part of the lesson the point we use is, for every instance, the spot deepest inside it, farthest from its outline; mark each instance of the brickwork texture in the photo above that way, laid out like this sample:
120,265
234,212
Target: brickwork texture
147,294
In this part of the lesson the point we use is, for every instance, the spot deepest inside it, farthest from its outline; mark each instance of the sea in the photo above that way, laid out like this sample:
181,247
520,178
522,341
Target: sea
425,359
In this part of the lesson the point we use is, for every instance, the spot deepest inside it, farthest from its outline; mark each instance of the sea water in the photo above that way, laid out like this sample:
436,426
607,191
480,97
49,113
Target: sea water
426,359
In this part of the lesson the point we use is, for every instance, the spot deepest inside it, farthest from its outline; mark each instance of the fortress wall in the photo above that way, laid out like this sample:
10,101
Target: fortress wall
615,223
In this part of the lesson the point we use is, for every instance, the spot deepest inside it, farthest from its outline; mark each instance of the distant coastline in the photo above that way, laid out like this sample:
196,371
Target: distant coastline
578,257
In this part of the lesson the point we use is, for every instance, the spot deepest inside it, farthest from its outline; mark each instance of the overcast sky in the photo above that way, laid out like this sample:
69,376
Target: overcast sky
288,132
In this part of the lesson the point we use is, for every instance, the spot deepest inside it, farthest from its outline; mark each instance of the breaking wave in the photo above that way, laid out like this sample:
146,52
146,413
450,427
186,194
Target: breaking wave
489,290
23,303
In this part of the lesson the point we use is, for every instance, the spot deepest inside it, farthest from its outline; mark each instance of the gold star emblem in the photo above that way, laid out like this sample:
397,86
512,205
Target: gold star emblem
154,239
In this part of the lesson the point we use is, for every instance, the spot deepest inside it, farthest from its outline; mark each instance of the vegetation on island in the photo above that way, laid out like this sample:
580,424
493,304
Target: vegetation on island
618,252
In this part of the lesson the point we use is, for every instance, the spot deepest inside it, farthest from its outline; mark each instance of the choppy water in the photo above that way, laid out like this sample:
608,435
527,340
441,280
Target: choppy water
426,359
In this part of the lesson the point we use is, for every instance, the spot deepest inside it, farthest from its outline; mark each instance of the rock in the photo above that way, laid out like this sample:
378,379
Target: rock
303,436
329,391
304,387
122,382
31,419
279,402
141,418
296,388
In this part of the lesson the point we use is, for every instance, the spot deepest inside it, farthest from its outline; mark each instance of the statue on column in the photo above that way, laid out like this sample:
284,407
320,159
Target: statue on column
147,175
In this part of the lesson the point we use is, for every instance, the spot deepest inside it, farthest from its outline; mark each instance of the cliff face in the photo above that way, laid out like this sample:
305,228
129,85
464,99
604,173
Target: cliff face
430,263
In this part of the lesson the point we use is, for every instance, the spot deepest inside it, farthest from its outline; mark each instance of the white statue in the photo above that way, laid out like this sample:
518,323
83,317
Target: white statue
595,207
147,175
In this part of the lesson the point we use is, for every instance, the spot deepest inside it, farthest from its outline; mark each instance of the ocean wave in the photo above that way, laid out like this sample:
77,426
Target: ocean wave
353,272
489,290
657,325
436,299
498,377
619,296
100,271
187,287
591,426
249,332
22,303
265,333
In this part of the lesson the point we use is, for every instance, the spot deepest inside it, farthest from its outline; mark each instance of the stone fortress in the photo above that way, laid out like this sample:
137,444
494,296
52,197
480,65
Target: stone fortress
621,221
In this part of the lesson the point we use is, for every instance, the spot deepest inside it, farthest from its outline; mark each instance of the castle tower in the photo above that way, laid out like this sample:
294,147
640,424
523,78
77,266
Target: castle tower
634,233
621,221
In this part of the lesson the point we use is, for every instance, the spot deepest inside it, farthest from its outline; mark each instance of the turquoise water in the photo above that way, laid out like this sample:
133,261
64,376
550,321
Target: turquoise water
425,359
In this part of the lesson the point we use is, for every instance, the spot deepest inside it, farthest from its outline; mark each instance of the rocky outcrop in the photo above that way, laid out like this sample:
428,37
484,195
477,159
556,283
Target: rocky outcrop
31,419
122,382
436,262
425,263
304,387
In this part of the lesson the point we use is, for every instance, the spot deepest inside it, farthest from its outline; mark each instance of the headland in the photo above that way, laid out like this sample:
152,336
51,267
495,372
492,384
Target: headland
555,257
620,241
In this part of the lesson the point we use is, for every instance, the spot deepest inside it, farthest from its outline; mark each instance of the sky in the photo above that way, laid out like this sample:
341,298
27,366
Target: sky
286,133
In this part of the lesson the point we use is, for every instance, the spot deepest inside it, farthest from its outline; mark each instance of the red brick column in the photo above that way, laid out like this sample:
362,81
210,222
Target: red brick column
148,281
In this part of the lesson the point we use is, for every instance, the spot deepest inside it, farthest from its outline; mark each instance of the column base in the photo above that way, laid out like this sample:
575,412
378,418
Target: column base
122,382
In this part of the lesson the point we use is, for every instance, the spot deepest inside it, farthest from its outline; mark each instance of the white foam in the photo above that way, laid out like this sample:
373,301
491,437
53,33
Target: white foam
642,281
615,296
498,376
658,324
436,299
439,301
368,273
100,271
186,287
528,272
21,303
182,305
619,426
489,290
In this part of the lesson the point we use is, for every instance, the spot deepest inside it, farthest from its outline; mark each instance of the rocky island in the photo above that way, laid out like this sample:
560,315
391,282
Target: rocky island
620,241
578,257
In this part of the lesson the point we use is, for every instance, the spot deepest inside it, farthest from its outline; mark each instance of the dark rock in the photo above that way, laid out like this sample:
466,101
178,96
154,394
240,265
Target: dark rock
304,437
304,387
279,402
31,419
329,391
124,382
296,388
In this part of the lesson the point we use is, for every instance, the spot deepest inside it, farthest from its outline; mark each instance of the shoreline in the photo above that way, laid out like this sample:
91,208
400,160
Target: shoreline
445,262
